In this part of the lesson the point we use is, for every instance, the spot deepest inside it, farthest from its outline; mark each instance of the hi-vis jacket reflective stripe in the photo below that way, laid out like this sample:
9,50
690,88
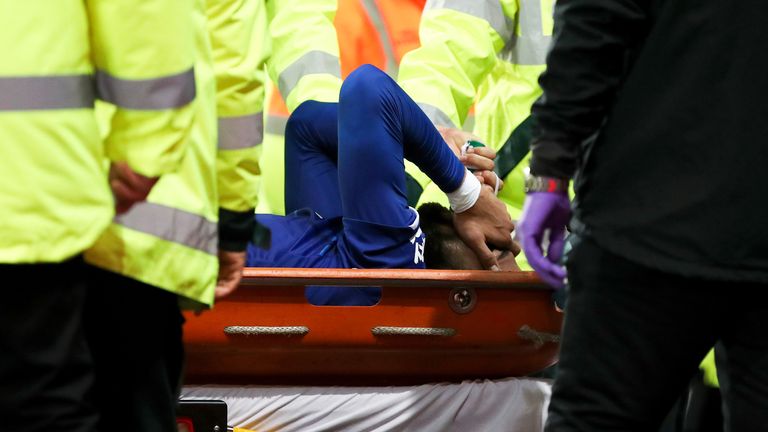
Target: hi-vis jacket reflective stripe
377,32
490,52
171,240
54,193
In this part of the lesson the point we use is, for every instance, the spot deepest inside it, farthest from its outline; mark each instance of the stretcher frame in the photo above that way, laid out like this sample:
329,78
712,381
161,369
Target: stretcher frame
430,326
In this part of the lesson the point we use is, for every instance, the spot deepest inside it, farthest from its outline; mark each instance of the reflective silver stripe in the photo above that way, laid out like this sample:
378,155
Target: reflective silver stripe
384,37
173,91
172,224
531,47
241,132
29,93
276,124
313,62
436,116
489,10
527,51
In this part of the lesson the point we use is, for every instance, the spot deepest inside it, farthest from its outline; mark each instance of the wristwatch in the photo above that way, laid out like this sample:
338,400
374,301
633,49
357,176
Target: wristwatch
545,184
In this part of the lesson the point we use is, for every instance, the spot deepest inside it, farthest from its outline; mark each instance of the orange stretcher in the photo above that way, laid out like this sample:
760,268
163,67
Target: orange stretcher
430,325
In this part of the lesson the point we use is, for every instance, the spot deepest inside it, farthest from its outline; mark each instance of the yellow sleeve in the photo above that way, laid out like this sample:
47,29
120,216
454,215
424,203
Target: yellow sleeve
305,52
240,45
144,57
459,45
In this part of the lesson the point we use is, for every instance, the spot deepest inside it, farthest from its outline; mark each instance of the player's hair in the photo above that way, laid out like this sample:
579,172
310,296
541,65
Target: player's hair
441,248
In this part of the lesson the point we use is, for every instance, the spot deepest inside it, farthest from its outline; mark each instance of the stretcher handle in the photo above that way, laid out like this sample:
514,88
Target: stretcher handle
413,331
518,280
266,330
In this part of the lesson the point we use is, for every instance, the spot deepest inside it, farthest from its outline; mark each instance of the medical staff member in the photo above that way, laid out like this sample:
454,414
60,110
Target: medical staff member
58,56
657,109
187,241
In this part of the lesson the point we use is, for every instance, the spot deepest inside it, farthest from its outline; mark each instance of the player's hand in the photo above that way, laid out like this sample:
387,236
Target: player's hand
491,179
455,138
476,158
479,158
128,186
230,272
486,223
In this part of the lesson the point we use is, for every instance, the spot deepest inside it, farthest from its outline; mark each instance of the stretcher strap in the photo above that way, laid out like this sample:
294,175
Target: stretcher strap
266,330
412,331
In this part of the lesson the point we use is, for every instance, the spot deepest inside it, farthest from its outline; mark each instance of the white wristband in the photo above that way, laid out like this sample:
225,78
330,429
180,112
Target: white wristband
466,195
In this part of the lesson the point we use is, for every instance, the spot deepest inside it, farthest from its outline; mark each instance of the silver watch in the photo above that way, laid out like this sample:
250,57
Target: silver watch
545,184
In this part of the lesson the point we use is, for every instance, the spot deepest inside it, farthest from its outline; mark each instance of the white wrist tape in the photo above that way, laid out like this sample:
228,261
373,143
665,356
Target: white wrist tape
466,195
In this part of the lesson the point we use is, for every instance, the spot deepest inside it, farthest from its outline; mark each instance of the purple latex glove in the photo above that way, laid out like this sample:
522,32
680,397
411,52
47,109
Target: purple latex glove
544,211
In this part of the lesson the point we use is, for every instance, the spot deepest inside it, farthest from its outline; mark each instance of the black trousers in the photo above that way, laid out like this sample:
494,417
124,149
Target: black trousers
135,334
698,409
633,338
45,365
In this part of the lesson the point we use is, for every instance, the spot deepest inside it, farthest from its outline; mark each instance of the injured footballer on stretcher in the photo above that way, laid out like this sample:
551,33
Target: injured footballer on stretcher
345,193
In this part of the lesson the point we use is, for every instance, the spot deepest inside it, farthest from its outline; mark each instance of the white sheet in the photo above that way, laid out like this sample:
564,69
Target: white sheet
508,405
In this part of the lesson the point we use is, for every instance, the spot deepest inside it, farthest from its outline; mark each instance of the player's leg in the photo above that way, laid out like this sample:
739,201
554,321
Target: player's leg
311,145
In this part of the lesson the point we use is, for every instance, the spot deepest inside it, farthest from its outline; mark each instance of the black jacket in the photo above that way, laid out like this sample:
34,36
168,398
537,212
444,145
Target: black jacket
660,109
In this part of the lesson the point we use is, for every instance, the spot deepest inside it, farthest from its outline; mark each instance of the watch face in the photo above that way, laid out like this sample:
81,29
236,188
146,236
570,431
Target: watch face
545,184
532,184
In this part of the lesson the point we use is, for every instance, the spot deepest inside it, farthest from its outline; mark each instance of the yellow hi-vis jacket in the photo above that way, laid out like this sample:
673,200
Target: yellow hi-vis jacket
57,55
486,52
172,240
304,65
